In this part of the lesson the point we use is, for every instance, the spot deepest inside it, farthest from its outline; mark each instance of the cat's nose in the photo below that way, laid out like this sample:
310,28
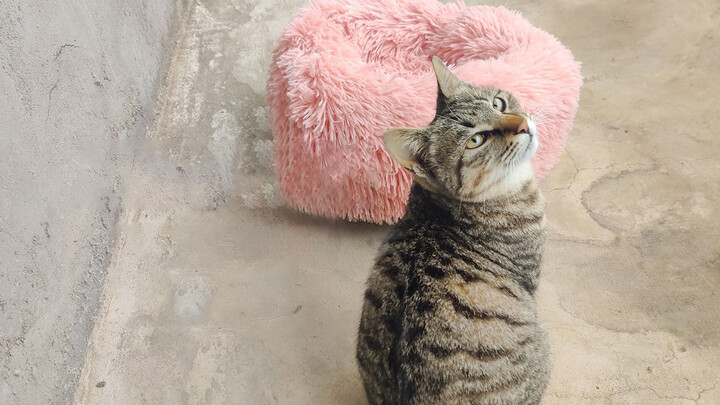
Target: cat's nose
512,124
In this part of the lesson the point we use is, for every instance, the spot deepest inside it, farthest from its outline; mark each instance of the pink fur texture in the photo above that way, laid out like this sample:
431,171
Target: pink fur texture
345,71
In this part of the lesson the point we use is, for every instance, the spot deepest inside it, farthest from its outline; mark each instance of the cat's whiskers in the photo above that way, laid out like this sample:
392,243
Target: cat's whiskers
540,111
544,116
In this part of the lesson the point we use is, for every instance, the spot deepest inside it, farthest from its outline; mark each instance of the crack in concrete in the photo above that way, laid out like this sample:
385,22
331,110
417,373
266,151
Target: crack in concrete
577,171
50,93
62,47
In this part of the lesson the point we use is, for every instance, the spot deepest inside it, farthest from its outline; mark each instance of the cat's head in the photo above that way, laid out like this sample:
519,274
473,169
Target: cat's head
478,146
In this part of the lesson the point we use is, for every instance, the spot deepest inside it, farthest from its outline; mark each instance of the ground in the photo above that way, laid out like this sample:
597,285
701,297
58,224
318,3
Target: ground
219,293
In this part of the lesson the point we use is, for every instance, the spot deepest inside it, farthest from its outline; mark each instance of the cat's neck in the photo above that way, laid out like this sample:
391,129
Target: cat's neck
487,189
428,205
504,187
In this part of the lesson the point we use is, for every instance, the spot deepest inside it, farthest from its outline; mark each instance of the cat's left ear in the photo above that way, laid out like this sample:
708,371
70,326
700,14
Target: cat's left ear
448,84
405,146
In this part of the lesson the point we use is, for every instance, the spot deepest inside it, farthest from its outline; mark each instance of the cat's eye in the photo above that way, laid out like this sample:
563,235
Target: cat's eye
499,104
475,141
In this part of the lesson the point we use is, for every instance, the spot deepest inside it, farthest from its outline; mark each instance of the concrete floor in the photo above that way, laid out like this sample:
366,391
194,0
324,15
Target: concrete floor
218,293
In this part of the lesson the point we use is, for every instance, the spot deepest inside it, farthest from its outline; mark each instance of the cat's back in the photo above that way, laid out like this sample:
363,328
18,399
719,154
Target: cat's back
449,315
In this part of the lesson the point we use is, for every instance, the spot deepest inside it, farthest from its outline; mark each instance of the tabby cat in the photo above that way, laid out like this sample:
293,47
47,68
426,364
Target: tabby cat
449,313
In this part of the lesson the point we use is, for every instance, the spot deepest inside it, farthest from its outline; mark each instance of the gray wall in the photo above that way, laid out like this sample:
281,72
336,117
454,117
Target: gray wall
77,83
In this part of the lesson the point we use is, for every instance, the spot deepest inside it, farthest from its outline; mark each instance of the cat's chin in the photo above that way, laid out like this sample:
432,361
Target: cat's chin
508,183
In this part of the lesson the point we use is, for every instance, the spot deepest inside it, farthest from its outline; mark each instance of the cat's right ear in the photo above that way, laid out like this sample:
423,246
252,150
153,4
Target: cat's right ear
405,145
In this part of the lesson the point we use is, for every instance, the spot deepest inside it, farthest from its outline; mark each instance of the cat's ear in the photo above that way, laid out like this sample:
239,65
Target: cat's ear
448,84
405,145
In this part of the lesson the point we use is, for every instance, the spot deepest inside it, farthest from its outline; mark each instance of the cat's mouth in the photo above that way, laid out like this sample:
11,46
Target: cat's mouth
532,128
532,144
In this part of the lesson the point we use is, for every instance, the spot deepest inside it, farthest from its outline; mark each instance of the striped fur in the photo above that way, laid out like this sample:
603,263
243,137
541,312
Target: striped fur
449,314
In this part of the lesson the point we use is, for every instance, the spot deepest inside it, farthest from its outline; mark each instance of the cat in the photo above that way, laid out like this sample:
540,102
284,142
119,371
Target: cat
449,313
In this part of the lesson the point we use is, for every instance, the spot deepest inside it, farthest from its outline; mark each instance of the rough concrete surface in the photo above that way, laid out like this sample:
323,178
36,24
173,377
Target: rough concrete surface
77,79
218,293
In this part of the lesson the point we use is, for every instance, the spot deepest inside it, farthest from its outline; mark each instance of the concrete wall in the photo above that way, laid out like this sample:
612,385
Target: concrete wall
77,83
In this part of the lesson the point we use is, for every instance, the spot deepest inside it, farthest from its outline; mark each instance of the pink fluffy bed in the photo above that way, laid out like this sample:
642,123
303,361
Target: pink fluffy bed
345,71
